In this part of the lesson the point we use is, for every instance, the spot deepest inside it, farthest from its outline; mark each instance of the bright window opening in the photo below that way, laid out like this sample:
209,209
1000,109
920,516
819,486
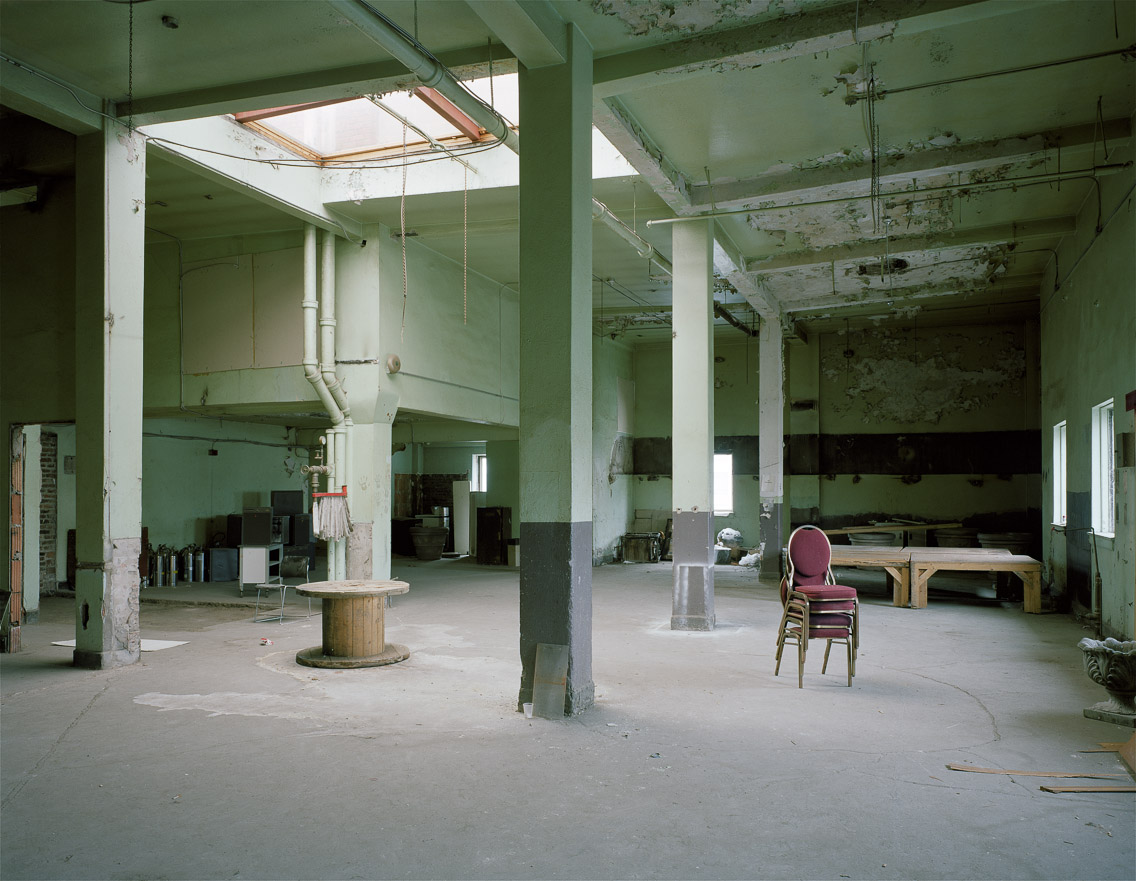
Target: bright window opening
1104,470
1060,515
479,474
723,484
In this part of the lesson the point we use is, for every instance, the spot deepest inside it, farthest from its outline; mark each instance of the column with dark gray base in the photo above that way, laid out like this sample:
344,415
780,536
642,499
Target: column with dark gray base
771,443
555,437
692,451
110,255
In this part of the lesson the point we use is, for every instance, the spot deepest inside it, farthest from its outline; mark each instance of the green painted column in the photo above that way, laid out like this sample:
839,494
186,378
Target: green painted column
110,173
770,442
556,368
692,432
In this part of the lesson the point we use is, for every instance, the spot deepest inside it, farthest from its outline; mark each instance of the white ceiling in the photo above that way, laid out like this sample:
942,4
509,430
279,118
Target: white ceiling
719,104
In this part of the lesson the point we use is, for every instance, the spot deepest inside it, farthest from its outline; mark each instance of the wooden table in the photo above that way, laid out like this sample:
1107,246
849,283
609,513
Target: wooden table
925,562
894,561
353,625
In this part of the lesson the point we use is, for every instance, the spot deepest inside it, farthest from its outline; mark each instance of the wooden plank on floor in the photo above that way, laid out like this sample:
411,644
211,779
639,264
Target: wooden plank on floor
976,770
1087,788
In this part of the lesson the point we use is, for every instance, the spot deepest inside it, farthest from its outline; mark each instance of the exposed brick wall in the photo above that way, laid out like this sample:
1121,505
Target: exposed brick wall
48,509
438,490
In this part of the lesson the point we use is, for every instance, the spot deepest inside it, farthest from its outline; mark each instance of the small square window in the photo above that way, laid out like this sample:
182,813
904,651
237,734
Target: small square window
1104,470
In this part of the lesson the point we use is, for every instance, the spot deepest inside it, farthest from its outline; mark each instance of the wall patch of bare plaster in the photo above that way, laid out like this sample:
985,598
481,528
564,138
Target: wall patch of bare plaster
689,16
905,378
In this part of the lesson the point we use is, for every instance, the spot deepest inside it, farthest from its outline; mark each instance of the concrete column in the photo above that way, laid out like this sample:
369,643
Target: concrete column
692,451
556,368
369,544
111,216
771,433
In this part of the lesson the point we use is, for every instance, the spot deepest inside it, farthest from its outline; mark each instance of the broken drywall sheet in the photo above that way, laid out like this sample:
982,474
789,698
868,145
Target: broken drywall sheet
900,377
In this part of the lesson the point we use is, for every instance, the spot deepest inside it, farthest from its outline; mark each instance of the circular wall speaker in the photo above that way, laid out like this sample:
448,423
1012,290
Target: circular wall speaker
394,364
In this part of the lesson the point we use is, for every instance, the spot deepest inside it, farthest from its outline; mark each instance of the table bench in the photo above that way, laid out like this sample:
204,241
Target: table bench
353,624
909,569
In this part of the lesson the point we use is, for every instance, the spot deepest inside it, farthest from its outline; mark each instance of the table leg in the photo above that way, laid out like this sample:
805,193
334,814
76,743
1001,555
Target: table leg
1032,582
900,578
920,575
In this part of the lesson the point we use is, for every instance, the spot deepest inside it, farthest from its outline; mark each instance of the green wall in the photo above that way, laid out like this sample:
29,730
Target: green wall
612,486
1088,321
186,492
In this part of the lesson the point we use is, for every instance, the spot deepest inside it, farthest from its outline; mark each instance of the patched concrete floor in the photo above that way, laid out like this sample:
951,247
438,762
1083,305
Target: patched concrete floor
224,759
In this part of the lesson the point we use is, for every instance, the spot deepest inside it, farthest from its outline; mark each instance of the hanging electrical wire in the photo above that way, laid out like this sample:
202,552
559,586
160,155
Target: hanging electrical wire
465,248
402,238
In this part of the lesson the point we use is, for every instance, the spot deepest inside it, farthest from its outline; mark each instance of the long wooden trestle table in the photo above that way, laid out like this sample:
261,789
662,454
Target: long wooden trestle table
909,569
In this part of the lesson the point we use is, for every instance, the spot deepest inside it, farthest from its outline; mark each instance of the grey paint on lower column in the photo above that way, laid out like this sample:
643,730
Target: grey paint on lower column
693,545
556,605
772,534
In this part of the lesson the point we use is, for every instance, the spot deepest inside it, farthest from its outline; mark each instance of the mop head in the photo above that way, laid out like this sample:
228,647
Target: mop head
331,518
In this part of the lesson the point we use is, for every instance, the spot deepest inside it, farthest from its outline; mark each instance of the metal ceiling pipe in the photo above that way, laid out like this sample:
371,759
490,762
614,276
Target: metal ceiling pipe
340,434
601,212
428,71
433,75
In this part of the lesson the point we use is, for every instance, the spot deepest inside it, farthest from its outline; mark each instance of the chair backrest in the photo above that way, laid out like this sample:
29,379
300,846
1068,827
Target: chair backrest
809,556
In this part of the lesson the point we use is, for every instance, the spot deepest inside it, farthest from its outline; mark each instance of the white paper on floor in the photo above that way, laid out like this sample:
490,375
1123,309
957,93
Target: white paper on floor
148,645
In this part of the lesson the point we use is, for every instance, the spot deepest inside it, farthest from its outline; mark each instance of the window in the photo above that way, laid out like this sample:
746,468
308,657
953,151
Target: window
723,484
479,474
1059,468
1104,470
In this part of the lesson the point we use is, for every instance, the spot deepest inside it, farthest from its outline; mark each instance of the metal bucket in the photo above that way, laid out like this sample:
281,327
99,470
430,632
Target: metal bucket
1014,542
885,539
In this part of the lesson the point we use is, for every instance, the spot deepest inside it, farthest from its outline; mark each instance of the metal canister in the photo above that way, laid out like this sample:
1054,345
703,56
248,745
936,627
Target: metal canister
160,566
172,558
187,555
199,554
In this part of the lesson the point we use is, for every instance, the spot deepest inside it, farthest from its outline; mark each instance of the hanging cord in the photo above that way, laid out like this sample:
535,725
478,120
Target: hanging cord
465,247
402,236
492,100
130,69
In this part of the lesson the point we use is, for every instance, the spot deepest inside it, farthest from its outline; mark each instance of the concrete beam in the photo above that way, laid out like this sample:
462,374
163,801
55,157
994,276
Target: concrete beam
754,45
228,153
885,299
630,139
848,175
63,105
532,29
341,82
1050,227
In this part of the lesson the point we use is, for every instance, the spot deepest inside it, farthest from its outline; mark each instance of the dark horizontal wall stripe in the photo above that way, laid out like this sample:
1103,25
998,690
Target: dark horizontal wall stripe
964,452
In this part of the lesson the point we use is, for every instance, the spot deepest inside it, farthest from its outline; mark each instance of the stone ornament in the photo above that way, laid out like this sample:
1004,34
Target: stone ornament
1112,664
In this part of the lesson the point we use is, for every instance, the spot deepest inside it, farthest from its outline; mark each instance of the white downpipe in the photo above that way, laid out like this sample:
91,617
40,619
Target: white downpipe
312,370
434,76
341,433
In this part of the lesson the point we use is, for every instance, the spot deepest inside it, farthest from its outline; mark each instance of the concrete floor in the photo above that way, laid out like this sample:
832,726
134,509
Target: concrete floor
225,759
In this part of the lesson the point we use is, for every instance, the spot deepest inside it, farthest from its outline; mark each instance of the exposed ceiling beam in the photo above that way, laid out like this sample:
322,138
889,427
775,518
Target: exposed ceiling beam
629,138
320,85
769,41
730,265
227,152
34,93
532,29
900,297
1050,227
849,175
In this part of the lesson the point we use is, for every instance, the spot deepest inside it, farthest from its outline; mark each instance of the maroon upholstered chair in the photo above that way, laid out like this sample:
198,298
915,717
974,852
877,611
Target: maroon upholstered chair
814,606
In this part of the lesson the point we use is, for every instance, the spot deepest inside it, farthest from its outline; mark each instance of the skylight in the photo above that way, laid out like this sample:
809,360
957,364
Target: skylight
355,127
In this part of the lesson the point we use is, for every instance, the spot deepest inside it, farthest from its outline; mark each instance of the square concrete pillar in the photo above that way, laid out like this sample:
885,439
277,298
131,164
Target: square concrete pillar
555,437
110,254
771,437
692,400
